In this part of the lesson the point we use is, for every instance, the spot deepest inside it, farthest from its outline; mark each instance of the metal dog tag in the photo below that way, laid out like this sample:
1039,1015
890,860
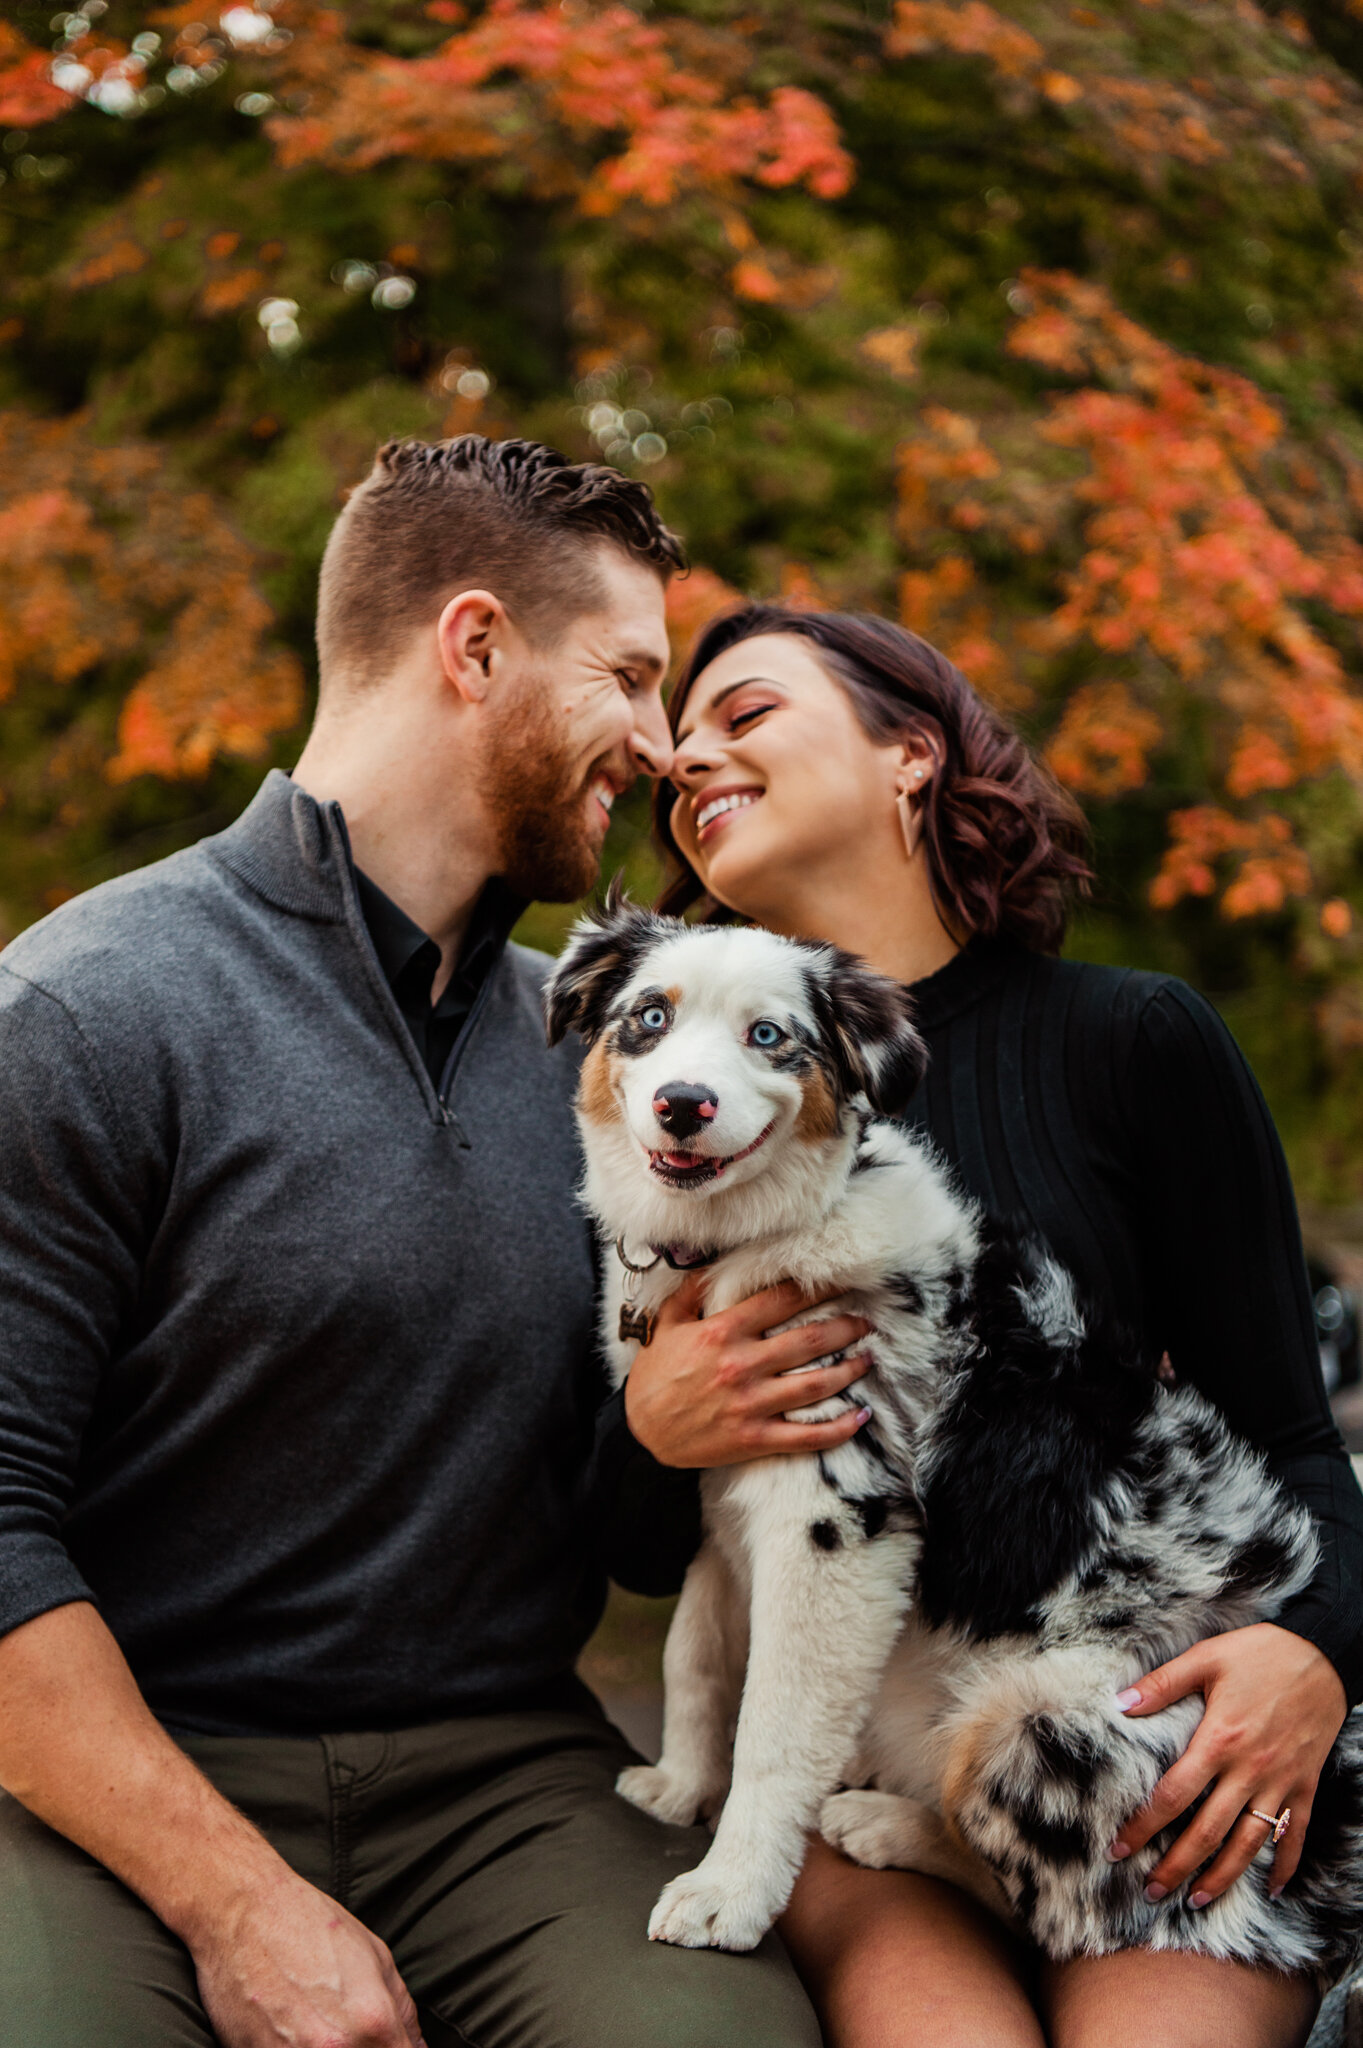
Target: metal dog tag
636,1324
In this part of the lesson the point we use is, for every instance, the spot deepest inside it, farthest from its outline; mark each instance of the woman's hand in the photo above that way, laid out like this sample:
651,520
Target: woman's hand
1274,1705
707,1390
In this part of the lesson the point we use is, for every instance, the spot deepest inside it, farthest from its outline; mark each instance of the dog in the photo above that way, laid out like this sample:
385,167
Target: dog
915,1641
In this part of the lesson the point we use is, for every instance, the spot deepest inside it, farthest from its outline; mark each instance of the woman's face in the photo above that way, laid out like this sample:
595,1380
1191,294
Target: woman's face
780,791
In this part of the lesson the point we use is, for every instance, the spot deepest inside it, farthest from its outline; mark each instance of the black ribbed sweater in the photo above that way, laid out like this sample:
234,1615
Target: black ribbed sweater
1111,1112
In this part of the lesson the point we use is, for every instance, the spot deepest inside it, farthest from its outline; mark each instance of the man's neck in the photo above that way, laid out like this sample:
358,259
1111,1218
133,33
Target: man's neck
409,832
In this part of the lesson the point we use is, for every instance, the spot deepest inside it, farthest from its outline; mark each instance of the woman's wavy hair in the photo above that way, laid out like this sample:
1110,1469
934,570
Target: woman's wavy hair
1007,847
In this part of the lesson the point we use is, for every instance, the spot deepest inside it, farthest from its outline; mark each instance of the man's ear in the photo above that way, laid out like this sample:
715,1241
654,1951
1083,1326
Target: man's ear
468,631
867,1024
602,952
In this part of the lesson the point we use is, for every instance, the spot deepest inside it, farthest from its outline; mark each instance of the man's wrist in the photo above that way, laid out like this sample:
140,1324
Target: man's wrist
205,1899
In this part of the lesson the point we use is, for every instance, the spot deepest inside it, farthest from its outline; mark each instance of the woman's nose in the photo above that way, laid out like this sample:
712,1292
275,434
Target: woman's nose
690,763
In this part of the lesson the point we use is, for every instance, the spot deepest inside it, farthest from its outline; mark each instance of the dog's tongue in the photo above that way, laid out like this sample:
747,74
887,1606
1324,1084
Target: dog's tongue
682,1161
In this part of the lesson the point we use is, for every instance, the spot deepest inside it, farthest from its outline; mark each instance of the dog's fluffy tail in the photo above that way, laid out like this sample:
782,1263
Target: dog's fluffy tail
1041,1776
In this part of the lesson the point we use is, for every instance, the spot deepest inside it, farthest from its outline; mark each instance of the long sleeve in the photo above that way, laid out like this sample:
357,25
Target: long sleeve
1228,1288
645,1517
68,1277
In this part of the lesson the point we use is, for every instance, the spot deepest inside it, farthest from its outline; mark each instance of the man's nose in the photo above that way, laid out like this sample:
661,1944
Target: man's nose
650,743
683,1109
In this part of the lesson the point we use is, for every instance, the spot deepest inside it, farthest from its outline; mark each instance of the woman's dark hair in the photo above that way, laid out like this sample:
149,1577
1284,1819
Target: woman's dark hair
1007,846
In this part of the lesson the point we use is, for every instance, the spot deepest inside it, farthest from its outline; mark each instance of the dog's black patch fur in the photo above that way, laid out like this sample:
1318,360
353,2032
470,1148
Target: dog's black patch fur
906,1291
1065,1755
1030,1433
866,1031
595,966
630,1037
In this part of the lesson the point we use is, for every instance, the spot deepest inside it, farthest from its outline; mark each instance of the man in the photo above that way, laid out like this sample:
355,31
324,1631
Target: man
301,1526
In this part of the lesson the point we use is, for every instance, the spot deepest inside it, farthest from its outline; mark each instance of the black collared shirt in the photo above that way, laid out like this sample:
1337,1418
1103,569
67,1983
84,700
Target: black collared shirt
410,961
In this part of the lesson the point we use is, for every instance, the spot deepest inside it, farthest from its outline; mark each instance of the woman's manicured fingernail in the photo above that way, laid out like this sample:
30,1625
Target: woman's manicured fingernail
1116,1851
1155,1892
1128,1699
1200,1899
1276,1893
863,1415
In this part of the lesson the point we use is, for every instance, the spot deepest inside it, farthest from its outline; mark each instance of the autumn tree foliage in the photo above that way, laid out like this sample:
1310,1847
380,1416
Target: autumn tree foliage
101,561
1211,582
1035,323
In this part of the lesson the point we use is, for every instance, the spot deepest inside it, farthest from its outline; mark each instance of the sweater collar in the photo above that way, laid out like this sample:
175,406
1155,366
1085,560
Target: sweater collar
295,852
979,966
290,849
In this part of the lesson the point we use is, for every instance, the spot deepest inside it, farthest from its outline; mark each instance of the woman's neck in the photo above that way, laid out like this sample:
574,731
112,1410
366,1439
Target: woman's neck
894,928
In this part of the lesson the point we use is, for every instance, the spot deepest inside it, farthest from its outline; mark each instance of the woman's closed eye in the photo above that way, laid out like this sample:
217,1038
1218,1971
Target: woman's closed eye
747,714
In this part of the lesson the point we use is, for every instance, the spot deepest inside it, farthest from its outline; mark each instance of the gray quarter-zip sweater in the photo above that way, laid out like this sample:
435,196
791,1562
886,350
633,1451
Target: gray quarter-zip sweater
296,1362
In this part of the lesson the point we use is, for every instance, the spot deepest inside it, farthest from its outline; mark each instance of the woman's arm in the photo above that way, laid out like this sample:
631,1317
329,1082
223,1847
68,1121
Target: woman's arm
1226,1281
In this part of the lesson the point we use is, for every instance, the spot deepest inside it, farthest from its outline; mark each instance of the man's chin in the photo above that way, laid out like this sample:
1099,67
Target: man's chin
555,872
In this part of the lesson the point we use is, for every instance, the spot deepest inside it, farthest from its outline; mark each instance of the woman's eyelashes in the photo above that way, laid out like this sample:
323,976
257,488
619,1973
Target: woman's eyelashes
747,714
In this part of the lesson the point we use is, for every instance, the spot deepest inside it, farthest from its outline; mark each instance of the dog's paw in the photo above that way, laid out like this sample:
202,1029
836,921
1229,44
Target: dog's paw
696,1911
656,1790
873,1828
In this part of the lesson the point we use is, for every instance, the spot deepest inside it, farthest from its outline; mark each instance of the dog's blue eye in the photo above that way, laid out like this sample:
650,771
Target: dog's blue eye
765,1034
654,1018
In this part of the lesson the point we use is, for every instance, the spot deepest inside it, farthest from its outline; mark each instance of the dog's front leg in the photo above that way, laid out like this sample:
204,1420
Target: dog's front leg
702,1677
827,1605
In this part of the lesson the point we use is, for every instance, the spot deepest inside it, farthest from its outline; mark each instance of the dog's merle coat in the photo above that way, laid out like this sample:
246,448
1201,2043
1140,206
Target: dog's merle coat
940,1613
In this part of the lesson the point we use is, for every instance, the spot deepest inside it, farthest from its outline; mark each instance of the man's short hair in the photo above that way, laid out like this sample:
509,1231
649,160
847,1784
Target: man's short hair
513,517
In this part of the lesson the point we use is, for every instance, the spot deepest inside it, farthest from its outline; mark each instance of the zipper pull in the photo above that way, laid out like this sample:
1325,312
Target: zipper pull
448,1117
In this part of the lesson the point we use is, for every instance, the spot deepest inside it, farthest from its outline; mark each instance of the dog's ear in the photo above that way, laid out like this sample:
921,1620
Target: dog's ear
867,1024
602,951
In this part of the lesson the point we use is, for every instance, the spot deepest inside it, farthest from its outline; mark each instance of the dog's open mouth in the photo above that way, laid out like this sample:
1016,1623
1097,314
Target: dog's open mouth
698,1169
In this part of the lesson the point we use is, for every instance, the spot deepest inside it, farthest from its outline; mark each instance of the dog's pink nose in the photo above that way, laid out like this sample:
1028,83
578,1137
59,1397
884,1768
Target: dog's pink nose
681,1107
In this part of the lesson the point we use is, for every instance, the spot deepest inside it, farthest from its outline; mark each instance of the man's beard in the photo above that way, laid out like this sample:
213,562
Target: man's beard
539,803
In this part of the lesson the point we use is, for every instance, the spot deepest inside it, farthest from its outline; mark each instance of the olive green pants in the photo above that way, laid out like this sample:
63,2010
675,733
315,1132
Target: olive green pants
493,1856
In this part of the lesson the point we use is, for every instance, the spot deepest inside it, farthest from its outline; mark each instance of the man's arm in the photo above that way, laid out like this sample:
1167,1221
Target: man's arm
82,1168
277,1960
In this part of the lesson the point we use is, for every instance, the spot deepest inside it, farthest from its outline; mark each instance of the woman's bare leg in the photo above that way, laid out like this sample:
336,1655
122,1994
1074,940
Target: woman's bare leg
895,1960
1182,2001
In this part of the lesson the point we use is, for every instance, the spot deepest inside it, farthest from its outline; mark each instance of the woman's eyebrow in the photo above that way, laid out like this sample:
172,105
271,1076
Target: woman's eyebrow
728,691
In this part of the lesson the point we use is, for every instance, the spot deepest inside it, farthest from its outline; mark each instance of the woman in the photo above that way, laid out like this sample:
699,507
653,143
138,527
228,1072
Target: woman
836,778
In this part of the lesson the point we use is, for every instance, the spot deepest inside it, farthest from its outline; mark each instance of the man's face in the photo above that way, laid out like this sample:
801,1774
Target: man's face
585,722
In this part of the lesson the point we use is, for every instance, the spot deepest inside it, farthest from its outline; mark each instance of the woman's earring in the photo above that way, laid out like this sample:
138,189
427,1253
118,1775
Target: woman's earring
910,815
910,822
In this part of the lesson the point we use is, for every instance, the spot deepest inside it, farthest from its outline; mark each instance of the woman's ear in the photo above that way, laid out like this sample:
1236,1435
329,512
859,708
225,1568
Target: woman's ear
602,952
918,763
867,1022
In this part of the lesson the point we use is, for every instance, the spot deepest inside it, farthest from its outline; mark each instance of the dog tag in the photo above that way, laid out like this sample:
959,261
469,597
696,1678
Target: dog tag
636,1324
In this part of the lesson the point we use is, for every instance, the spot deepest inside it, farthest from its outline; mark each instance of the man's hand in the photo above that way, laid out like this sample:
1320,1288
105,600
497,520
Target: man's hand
1274,1705
279,1962
294,1967
708,1390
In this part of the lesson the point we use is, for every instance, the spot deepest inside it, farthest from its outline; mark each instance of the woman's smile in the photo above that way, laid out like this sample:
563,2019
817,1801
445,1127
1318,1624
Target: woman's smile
713,808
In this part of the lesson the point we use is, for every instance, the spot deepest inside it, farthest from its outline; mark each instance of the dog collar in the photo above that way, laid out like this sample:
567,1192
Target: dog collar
682,1258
